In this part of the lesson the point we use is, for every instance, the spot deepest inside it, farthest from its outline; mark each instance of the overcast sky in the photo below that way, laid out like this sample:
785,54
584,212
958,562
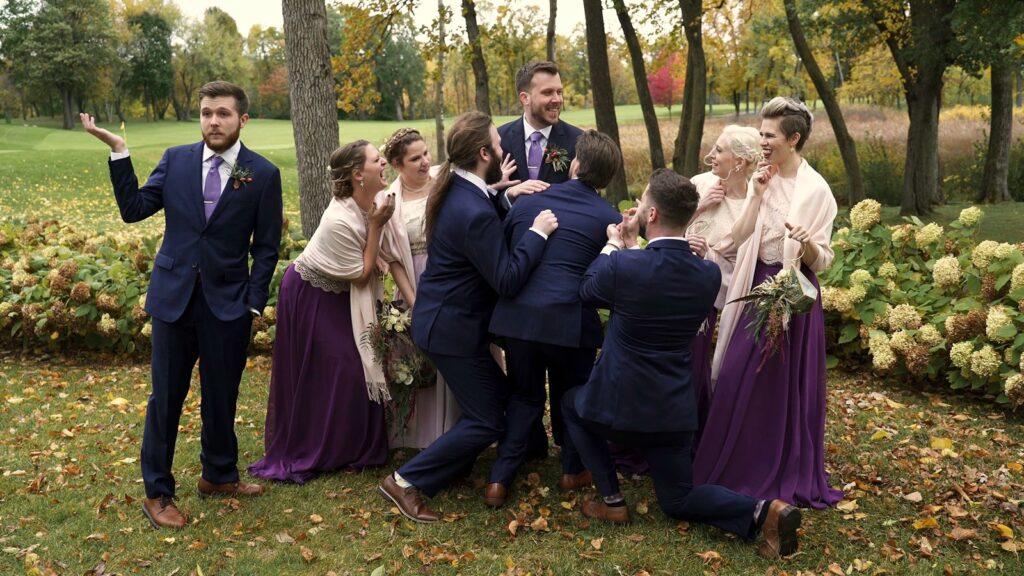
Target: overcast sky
268,12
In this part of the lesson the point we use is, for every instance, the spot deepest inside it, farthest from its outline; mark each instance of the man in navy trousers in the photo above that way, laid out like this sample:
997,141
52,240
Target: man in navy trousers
530,140
640,392
222,205
547,329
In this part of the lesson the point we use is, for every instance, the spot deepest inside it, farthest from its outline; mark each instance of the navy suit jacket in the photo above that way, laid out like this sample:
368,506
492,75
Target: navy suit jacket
513,141
548,309
468,266
246,221
659,297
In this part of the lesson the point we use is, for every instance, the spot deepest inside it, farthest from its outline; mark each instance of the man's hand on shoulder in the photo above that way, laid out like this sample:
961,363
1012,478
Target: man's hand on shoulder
528,187
115,142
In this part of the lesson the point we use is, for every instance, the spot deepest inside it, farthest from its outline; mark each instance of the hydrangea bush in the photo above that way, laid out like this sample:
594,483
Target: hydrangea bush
61,289
928,302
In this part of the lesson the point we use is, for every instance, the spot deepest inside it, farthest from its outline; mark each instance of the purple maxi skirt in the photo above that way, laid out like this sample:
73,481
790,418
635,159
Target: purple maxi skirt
765,431
319,415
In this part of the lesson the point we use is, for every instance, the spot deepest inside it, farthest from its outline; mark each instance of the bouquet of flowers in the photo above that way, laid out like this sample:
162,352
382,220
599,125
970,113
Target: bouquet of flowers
406,368
775,301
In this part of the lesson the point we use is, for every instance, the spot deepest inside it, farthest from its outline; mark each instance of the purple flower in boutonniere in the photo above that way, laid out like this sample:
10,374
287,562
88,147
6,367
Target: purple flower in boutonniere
240,175
557,157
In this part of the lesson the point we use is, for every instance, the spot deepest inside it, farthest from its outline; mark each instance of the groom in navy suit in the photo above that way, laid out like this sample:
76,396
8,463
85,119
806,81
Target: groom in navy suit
527,139
222,205
640,392
546,328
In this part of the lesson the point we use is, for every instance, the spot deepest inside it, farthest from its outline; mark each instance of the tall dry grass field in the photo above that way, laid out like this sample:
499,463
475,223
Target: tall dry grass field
880,133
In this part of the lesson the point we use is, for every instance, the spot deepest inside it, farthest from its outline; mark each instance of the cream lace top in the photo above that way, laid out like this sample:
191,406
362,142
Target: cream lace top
414,217
775,207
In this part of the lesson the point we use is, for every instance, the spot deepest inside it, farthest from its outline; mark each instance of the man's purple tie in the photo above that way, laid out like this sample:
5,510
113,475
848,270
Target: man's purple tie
212,188
536,155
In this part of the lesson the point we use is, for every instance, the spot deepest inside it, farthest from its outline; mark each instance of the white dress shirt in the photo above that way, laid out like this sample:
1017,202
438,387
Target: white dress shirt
529,130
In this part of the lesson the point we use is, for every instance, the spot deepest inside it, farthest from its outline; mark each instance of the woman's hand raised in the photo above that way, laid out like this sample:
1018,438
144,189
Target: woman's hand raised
379,215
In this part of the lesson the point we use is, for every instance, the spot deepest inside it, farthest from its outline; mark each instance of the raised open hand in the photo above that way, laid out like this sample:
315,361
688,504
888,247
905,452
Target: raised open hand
115,142
379,215
508,168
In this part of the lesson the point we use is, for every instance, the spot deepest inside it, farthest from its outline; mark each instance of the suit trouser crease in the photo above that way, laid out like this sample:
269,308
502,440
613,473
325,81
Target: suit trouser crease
669,455
220,346
527,364
481,391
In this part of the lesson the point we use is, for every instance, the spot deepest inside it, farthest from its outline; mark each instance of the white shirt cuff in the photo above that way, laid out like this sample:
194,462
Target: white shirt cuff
118,155
608,249
255,311
542,235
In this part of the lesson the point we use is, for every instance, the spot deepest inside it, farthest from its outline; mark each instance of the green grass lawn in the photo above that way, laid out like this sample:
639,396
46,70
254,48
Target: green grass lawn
70,489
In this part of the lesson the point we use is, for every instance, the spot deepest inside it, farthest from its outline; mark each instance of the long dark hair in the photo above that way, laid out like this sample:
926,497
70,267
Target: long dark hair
469,133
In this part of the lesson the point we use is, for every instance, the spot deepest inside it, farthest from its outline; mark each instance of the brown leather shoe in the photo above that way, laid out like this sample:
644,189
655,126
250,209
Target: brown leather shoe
408,500
232,489
780,530
162,513
576,481
495,494
601,511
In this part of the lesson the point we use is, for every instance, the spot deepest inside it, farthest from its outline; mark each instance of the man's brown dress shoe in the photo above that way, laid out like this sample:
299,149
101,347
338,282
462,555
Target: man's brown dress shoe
408,500
601,511
495,494
162,513
231,489
779,529
576,481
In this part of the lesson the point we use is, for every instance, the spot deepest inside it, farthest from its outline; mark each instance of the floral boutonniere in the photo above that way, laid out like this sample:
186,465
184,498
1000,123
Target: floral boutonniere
557,157
240,175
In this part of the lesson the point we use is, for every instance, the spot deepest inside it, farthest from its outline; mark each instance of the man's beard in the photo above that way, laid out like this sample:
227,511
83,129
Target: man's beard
642,229
493,173
231,139
538,113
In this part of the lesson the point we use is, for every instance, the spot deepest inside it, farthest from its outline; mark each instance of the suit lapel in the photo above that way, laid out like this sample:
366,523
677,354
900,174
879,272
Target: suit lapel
229,192
555,141
194,196
517,137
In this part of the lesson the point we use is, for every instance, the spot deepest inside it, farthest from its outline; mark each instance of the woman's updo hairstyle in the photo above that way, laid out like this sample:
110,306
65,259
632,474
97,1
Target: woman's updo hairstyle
745,143
794,117
398,143
344,163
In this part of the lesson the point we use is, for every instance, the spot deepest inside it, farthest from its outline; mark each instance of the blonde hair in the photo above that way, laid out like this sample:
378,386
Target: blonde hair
745,143
794,117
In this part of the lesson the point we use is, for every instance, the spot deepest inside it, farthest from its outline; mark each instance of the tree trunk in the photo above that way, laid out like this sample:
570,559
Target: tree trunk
847,147
67,104
921,171
314,115
483,93
601,84
442,153
686,158
642,89
997,161
552,10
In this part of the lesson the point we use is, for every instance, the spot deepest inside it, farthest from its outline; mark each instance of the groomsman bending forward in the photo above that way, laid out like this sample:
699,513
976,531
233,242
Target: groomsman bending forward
640,393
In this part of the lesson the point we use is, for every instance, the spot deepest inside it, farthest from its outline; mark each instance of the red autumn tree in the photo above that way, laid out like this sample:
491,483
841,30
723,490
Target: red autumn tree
666,83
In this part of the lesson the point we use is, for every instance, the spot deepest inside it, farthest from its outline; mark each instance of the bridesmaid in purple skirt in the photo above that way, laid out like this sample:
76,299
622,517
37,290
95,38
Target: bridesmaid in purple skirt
723,191
765,432
324,412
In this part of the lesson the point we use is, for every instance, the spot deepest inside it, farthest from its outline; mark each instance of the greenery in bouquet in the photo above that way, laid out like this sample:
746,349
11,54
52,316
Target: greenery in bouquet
927,302
775,301
406,368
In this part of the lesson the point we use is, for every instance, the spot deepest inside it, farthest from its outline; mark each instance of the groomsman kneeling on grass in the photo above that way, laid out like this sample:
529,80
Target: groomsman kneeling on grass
640,392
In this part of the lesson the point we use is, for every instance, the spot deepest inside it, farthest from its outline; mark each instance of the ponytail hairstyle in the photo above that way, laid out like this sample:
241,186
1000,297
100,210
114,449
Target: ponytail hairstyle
344,162
470,133
394,148
793,115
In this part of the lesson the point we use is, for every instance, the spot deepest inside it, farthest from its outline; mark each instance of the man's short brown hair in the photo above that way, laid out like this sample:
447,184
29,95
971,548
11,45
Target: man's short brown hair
674,196
524,77
598,157
219,88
